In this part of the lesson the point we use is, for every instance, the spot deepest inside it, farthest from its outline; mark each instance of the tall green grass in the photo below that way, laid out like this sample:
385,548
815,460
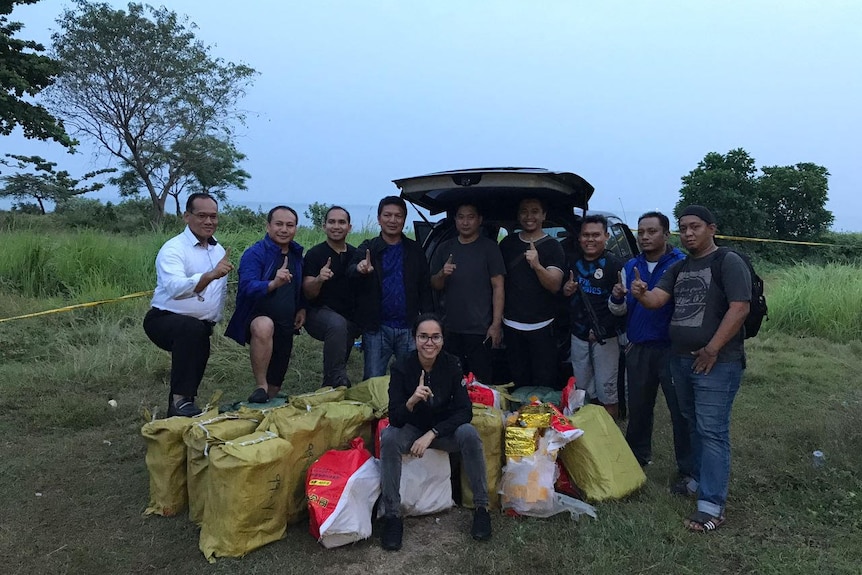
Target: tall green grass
87,265
82,266
823,301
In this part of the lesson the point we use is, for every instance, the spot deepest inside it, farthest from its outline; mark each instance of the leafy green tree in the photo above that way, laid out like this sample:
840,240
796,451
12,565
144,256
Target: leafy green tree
24,72
726,184
792,200
316,212
44,184
207,164
141,85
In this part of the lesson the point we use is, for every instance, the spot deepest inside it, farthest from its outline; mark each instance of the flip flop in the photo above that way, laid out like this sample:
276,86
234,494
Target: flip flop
702,522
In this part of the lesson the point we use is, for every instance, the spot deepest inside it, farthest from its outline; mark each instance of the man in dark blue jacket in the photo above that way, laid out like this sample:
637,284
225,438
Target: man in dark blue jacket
393,287
269,302
648,351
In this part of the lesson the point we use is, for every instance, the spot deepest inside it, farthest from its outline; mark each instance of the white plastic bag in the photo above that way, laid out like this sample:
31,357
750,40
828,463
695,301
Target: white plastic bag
351,520
528,486
426,485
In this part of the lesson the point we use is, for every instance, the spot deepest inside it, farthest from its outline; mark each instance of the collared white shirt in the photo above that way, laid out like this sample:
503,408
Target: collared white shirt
179,266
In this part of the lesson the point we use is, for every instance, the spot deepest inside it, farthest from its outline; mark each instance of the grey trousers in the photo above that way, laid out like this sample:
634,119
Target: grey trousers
337,335
396,441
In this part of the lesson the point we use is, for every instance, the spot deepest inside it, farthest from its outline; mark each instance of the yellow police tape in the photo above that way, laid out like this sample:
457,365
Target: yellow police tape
78,306
764,240
143,293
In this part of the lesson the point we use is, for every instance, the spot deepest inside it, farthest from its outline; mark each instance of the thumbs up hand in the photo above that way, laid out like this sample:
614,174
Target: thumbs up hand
326,272
282,275
620,290
448,267
638,287
571,286
223,267
364,267
532,255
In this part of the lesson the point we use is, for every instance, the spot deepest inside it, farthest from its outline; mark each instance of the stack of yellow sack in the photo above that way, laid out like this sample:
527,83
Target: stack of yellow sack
199,438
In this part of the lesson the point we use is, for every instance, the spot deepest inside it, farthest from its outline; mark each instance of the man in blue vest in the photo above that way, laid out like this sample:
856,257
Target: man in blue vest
648,349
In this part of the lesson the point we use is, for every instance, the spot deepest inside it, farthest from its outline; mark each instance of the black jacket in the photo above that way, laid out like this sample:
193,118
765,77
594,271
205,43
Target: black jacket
417,282
450,405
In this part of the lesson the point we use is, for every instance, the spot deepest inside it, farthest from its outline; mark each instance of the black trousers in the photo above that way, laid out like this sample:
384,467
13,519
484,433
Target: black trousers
279,361
648,367
532,356
475,356
188,340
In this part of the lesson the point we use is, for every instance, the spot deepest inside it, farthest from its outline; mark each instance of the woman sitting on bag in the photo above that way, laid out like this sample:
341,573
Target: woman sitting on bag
429,407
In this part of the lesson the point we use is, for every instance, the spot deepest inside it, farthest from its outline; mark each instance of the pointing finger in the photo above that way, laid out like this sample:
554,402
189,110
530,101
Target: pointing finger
368,257
328,263
620,278
449,261
572,276
226,254
532,245
284,265
637,274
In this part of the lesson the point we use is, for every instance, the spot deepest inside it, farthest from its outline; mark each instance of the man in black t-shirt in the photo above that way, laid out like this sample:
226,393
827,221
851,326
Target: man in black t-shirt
534,270
595,347
468,271
711,293
330,298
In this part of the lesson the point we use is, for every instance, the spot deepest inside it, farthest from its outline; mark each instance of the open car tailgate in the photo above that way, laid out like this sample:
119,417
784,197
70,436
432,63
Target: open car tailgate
497,190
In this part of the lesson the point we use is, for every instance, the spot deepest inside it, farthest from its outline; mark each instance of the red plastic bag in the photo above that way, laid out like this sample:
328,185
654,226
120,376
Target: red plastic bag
564,483
481,393
378,432
572,398
342,487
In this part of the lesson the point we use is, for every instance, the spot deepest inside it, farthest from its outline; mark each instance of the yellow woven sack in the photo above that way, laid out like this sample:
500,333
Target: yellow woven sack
600,461
322,395
489,423
374,392
166,462
199,438
347,420
246,502
307,433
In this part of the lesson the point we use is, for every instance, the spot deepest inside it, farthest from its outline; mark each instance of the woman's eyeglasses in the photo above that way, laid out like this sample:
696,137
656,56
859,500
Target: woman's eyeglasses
424,337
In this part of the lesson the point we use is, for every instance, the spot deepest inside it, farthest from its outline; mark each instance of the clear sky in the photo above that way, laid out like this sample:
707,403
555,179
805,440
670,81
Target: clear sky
629,94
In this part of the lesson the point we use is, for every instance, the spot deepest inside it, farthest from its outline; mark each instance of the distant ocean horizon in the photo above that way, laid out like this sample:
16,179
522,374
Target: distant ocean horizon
361,215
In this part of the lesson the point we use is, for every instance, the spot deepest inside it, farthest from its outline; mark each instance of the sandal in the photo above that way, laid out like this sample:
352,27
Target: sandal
703,522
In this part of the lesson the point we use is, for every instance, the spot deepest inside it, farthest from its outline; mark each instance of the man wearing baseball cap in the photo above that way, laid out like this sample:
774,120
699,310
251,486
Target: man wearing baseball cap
711,292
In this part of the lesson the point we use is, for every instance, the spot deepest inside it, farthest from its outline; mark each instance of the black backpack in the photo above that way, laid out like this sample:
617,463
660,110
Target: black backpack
758,309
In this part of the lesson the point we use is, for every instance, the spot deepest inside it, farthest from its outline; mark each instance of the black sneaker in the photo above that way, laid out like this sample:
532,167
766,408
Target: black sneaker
183,407
259,395
393,531
481,530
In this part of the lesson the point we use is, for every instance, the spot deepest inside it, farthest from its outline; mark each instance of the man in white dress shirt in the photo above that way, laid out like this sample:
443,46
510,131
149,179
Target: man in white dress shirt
191,286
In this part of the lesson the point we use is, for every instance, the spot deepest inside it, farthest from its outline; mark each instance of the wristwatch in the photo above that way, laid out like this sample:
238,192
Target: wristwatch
435,432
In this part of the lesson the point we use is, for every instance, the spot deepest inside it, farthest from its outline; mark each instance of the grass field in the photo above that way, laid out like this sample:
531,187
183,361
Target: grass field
74,483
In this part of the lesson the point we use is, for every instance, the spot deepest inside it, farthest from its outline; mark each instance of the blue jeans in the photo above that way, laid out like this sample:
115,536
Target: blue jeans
706,402
379,347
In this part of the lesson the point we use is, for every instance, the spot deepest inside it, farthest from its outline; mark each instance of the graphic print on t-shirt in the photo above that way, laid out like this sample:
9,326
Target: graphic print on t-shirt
689,297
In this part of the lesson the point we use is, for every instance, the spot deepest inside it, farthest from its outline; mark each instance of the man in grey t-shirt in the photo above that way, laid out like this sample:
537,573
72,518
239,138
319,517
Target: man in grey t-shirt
711,292
468,272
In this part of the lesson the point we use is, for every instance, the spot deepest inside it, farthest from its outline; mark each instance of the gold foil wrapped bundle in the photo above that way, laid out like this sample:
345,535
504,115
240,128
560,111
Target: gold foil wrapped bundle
535,415
521,441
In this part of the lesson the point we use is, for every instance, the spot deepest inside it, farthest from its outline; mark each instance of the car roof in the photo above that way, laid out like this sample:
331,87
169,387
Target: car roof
497,191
